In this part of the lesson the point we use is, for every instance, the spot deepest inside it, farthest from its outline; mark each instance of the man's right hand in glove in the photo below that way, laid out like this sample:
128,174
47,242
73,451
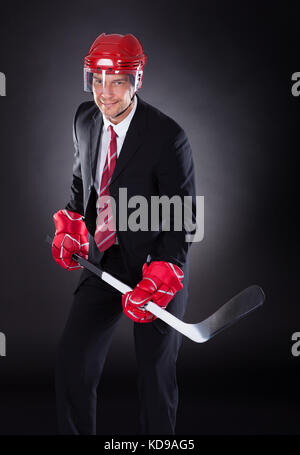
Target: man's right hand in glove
70,237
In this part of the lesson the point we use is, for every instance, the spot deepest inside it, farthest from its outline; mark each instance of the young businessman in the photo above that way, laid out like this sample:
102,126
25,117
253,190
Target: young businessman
122,144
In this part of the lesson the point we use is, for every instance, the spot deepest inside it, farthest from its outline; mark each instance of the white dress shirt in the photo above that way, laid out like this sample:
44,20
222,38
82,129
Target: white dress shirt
121,130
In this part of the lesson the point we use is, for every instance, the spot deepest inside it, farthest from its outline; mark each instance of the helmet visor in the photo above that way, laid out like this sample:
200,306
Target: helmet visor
104,79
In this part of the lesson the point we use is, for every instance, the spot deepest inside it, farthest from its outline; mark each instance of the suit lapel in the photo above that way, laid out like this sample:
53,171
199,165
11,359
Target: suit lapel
95,133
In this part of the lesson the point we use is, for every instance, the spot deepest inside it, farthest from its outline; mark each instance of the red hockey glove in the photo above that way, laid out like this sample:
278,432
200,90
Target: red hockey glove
70,237
161,280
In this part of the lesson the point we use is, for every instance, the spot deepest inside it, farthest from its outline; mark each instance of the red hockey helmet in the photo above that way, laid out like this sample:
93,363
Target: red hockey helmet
115,54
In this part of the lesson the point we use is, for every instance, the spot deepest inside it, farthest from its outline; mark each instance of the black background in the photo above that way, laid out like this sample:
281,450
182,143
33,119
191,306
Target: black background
223,71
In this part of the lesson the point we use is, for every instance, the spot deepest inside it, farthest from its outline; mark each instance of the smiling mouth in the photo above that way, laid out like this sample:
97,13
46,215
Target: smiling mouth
108,104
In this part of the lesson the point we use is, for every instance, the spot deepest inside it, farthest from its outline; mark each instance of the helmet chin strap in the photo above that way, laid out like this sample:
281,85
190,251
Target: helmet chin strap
122,112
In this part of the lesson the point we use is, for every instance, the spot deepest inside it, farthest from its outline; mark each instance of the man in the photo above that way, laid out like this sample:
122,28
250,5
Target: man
122,143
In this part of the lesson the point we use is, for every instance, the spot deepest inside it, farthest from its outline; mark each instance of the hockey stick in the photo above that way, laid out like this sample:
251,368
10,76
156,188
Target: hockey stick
233,310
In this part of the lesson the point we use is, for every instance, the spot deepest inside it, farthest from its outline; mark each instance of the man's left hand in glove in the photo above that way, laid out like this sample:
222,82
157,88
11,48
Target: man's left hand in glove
161,280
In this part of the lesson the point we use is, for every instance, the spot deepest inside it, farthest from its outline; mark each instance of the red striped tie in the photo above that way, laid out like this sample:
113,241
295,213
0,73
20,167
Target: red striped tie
105,234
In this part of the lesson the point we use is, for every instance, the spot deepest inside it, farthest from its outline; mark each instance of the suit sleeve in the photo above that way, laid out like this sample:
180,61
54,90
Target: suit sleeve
176,177
75,203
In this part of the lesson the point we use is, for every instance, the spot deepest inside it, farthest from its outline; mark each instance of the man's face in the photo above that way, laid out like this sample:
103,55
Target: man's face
112,96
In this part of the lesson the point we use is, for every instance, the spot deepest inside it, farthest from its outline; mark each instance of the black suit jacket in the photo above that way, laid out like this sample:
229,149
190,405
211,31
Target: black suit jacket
155,160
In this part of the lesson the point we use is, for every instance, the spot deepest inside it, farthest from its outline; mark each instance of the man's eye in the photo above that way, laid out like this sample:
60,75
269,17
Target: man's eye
118,82
98,81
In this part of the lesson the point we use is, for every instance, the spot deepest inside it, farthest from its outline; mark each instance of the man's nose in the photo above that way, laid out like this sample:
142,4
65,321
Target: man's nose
106,90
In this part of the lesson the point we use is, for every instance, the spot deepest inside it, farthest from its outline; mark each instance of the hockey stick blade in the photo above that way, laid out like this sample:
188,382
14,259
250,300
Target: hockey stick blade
229,313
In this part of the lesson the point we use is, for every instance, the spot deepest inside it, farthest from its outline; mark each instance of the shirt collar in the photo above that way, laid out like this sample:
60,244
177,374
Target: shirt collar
122,127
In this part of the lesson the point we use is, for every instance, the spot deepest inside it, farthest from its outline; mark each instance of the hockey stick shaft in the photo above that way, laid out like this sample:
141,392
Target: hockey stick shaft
123,288
233,310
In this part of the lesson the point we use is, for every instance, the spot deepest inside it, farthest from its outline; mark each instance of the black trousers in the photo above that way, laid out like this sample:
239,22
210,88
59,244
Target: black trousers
95,313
